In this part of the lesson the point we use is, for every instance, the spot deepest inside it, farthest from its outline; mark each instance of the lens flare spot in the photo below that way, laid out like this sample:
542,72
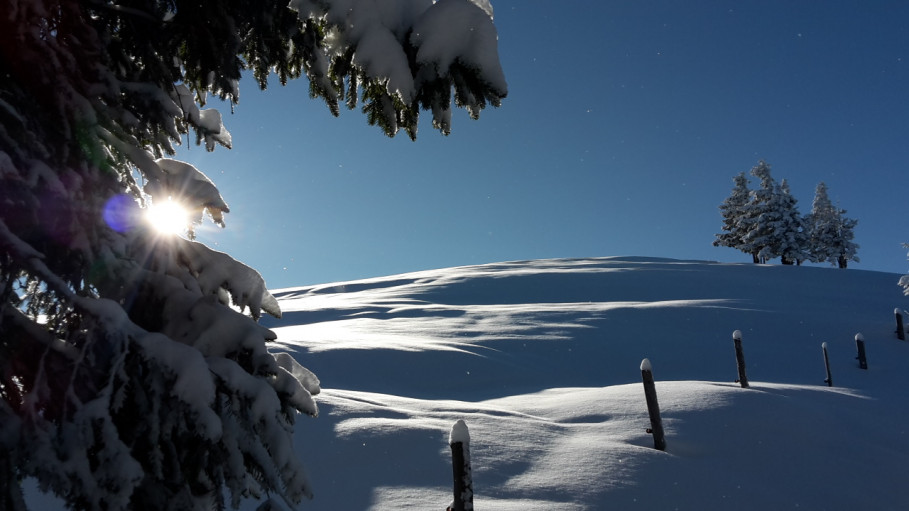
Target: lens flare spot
121,213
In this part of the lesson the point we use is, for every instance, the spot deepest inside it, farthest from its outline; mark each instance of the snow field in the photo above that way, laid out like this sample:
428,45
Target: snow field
541,360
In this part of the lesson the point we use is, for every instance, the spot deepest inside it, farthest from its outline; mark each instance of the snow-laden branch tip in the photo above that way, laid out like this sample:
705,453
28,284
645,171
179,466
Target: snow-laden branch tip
193,385
141,158
207,120
460,30
486,6
216,270
189,186
298,382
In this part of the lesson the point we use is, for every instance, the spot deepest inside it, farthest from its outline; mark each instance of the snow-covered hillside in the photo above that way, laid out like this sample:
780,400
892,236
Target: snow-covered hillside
542,361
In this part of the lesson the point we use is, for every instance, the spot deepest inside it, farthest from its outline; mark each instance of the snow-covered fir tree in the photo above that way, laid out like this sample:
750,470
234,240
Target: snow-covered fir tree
733,210
767,224
756,222
791,243
904,280
764,222
830,232
133,372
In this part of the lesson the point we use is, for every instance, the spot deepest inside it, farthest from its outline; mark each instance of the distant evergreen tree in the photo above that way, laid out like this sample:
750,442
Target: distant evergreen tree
791,242
758,221
733,210
776,228
830,232
767,224
904,280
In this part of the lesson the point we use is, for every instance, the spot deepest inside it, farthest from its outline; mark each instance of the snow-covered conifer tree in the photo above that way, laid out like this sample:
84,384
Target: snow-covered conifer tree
904,280
133,372
772,225
755,221
792,234
733,210
830,232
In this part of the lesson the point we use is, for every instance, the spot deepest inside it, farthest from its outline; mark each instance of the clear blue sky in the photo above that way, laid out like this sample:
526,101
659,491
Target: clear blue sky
624,125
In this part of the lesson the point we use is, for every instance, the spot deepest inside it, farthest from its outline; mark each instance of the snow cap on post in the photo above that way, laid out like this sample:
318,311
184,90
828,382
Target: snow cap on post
459,433
897,311
645,365
824,345
737,335
859,337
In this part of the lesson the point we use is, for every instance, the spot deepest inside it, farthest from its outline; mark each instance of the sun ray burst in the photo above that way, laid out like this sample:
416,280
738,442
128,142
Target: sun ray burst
168,217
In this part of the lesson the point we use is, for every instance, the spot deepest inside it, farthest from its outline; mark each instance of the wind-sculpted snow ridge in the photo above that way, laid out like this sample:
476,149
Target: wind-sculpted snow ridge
507,324
541,359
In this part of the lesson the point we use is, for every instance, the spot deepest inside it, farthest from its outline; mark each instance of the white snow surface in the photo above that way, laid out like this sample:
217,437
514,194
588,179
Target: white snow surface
541,360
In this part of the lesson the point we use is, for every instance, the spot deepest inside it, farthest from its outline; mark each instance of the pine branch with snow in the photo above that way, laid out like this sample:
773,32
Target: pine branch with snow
133,371
399,57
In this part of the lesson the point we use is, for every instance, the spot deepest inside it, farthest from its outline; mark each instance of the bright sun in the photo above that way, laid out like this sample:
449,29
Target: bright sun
168,217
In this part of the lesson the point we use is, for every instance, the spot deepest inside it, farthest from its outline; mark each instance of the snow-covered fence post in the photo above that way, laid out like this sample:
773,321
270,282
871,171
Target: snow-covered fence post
740,358
459,440
900,331
653,407
829,379
860,347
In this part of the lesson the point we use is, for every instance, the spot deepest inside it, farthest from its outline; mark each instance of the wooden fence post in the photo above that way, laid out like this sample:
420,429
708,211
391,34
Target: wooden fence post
829,380
459,440
740,358
860,346
900,331
653,407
